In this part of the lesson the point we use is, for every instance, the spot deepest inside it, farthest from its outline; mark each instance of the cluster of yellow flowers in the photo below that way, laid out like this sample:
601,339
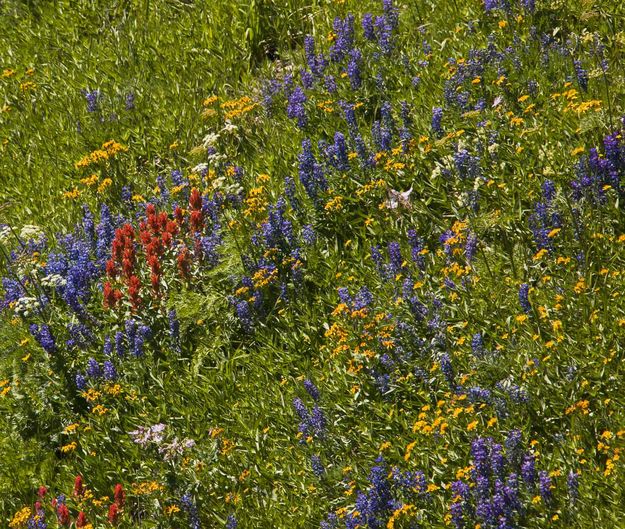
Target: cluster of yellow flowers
108,150
238,107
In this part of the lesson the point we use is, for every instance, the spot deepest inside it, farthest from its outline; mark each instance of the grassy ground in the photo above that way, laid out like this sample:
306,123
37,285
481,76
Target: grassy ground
321,381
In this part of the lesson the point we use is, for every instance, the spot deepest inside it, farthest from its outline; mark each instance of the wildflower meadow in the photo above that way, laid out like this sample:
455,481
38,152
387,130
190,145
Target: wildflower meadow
330,264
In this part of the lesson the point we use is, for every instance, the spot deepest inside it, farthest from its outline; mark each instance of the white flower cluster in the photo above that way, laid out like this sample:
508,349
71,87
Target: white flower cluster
5,233
26,305
155,435
53,280
30,231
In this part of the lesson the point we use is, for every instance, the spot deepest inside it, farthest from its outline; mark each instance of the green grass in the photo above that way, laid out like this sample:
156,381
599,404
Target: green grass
232,391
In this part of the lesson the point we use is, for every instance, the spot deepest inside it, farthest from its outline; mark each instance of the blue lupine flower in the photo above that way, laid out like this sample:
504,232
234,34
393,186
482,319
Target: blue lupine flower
270,90
470,246
331,522
245,315
296,109
468,166
363,298
524,290
528,470
353,69
187,504
126,196
105,233
384,33
93,369
108,346
81,381
130,101
110,373
479,453
44,337
329,82
477,345
544,486
376,256
417,246
231,522
93,99
437,118
289,191
88,225
337,153
311,173
448,370
396,264
311,389
549,190
344,42
391,13
120,346
137,345
307,78
572,482
308,234
317,466
368,27
174,330
318,421
582,75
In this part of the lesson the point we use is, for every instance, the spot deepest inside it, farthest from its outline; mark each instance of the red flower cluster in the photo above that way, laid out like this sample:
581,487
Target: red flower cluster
156,234
62,511
124,256
115,508
195,206
79,488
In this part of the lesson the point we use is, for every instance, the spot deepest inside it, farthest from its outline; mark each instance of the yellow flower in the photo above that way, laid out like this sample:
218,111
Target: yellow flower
472,426
74,193
69,448
105,183
99,410
409,450
20,518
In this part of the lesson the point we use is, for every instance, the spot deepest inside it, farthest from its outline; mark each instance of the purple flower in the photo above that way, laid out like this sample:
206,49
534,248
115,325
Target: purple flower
343,44
368,27
130,101
174,330
572,482
187,504
544,486
110,373
353,69
44,337
81,381
317,466
524,290
231,522
582,75
93,99
437,117
311,389
93,369
295,108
